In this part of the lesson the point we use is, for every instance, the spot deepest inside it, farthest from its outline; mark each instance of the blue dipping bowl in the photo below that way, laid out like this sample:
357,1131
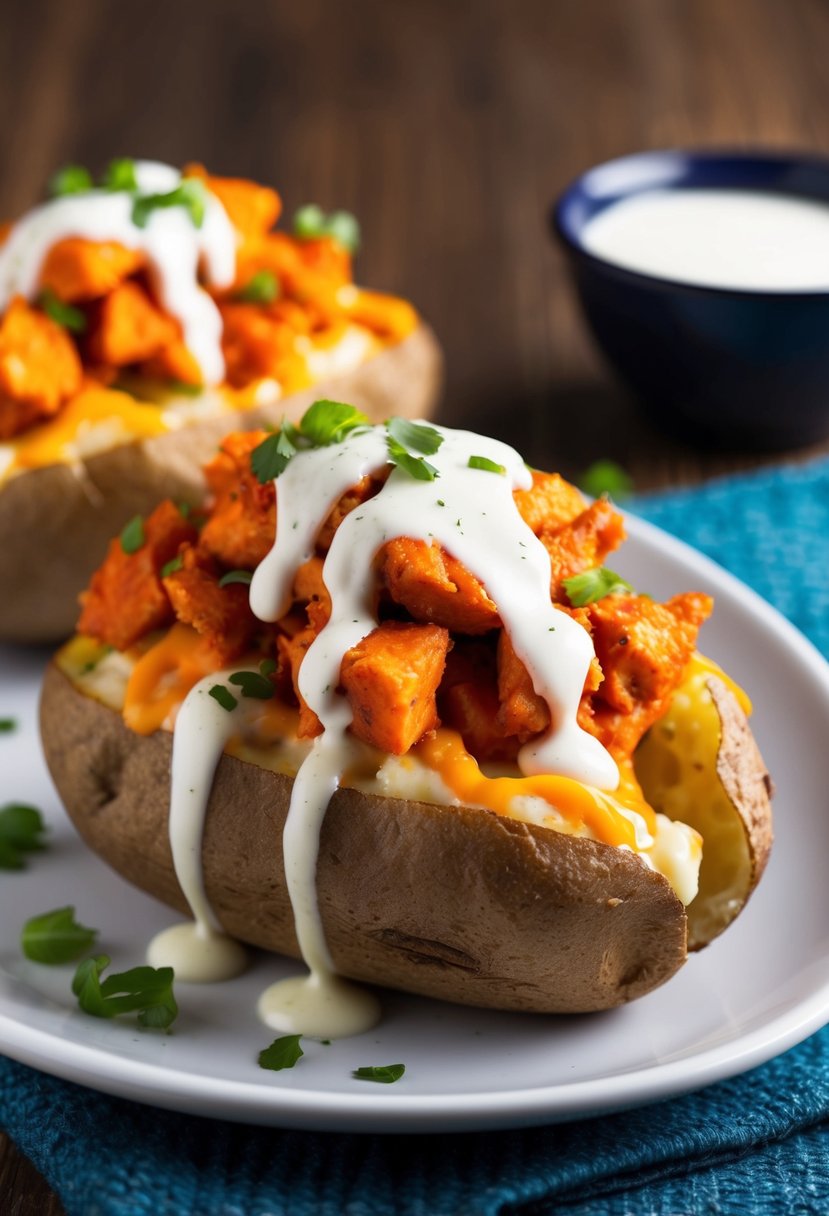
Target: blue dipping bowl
715,367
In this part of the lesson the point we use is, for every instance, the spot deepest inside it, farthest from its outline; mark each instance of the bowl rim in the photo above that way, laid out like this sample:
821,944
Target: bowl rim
772,158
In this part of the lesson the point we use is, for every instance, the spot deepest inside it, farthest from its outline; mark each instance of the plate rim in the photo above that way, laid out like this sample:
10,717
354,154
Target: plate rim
396,1111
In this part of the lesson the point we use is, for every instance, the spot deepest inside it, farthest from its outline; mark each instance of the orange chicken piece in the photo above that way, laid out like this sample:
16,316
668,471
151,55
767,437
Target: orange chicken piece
242,524
433,586
251,208
130,328
581,543
126,598
76,269
391,678
550,502
222,615
39,368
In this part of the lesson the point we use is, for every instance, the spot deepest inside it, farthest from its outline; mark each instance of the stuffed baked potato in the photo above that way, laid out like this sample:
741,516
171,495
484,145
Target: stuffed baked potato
139,322
510,725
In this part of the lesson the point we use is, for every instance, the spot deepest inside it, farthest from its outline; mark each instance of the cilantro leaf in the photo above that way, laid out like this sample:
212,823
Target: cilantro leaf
147,991
415,466
385,1073
170,567
21,829
344,228
190,194
261,288
271,458
235,576
282,1053
606,477
7,725
132,535
71,179
327,422
224,696
488,466
120,175
593,585
414,435
67,315
253,684
309,222
312,224
55,937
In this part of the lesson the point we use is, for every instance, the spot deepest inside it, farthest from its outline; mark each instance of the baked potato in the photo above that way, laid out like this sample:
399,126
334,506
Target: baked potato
451,862
114,392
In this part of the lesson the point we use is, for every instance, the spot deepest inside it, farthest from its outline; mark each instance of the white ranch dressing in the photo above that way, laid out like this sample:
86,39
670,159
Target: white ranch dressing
198,950
175,249
471,513
738,239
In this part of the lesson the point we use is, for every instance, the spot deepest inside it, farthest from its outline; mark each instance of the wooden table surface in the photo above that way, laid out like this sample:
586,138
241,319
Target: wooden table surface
448,129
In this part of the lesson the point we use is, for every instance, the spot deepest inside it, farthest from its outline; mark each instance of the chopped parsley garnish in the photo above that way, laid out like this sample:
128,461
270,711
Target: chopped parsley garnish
21,829
71,179
261,288
311,224
190,194
327,422
224,696
593,585
488,466
170,567
147,991
385,1073
7,725
55,937
120,175
132,535
256,683
273,455
606,477
235,576
69,317
282,1053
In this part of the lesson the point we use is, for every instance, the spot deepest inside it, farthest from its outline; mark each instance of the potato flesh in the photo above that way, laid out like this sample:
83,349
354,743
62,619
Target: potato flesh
676,764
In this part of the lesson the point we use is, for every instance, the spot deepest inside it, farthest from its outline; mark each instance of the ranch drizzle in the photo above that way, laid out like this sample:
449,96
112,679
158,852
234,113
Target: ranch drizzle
174,246
472,513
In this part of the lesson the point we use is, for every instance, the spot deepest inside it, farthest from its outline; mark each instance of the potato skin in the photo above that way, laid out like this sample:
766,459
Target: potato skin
454,903
56,521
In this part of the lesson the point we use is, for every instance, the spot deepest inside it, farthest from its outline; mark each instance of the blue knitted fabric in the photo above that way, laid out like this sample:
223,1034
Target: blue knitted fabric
757,1145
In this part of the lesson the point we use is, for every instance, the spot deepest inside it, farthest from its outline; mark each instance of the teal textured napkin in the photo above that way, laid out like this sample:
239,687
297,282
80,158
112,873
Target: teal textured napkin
757,1145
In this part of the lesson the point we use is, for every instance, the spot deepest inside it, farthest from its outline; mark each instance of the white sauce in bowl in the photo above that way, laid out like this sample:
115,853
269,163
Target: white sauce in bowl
738,239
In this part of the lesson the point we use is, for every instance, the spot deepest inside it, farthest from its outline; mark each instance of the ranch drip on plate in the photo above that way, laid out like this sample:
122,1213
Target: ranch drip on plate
471,512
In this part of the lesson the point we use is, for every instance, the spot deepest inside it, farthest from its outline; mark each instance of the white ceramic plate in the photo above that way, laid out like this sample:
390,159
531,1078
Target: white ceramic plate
758,990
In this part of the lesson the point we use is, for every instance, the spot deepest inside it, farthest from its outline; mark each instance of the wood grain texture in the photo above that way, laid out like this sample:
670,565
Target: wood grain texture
448,129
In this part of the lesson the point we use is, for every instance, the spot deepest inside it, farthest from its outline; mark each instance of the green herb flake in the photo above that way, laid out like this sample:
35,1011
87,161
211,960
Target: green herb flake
170,567
282,1053
606,477
384,1073
487,465
71,179
414,435
190,194
64,314
312,224
309,222
120,175
327,422
344,228
271,458
147,991
7,725
253,684
55,937
261,288
132,535
21,830
224,696
593,585
235,576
